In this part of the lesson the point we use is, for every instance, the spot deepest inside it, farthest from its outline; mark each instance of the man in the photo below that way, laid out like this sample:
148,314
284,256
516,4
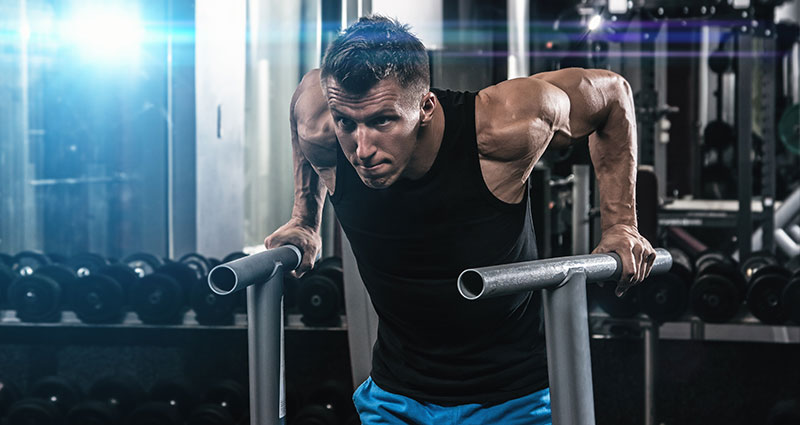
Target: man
427,183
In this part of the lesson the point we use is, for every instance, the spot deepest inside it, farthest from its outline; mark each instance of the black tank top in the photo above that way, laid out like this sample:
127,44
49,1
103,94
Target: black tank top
411,241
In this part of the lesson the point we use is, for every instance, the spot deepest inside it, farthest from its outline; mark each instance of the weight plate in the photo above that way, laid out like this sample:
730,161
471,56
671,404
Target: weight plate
718,135
154,413
196,262
86,263
622,307
124,275
715,298
36,299
211,309
176,393
664,297
789,128
233,256
93,413
143,263
6,277
65,278
158,299
57,390
124,392
183,274
790,300
764,297
26,262
210,414
793,266
230,394
9,394
318,299
314,414
56,258
98,299
757,260
33,411
334,395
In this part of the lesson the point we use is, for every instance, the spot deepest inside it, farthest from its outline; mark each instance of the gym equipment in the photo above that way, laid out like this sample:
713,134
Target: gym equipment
198,263
764,294
26,262
320,295
60,392
56,258
718,289
240,299
65,278
143,263
86,263
98,299
6,259
125,276
177,393
93,412
757,260
789,128
621,307
229,395
563,282
262,275
154,413
6,277
122,392
291,285
9,394
329,403
211,309
33,411
157,299
35,298
233,256
210,414
664,297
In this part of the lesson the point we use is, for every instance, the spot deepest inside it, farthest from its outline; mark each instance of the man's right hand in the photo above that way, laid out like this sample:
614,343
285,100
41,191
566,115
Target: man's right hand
300,235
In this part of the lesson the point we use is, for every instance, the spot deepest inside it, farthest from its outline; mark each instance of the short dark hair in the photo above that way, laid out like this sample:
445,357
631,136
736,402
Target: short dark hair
374,49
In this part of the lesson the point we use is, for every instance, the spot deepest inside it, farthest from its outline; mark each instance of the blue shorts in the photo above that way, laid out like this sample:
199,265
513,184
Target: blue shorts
378,407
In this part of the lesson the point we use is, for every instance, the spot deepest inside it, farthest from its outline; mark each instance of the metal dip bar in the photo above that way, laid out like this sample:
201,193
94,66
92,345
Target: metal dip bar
262,275
566,318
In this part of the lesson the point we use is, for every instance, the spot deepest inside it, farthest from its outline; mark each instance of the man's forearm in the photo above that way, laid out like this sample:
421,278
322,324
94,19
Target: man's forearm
614,150
309,193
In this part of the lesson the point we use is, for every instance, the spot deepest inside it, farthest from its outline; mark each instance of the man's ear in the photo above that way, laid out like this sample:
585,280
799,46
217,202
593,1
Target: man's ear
427,106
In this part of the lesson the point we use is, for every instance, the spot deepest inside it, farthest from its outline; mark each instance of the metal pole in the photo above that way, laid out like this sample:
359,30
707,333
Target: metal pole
569,363
262,275
566,319
650,360
580,209
744,75
518,62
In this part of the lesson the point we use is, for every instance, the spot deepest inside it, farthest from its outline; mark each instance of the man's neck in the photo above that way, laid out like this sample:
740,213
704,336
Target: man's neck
429,140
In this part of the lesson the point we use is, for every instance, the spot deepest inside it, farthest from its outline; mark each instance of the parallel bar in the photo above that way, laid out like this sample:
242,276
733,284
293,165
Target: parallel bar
543,274
767,95
650,372
262,275
569,364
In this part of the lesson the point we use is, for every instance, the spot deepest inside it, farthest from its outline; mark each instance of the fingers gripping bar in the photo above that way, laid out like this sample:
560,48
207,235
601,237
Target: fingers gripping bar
262,275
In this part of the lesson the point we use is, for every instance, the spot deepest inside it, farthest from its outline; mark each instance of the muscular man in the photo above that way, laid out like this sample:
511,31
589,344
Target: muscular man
427,183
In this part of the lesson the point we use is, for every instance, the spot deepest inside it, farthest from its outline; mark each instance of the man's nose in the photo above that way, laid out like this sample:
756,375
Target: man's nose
365,149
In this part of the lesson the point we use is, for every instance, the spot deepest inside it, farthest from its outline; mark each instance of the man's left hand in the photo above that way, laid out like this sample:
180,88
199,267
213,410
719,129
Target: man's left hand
634,250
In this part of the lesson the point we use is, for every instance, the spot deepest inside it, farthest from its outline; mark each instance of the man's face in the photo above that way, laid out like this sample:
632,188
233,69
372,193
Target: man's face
377,130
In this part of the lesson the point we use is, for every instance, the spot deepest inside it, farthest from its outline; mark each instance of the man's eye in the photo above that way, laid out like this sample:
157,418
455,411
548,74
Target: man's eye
381,121
345,124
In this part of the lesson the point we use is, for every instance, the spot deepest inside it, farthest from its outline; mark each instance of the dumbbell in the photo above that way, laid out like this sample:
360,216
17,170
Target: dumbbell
756,261
210,309
122,392
240,297
93,412
605,297
230,395
66,279
143,263
320,294
49,401
6,277
764,294
160,298
9,394
86,263
26,262
154,413
57,390
177,393
101,295
664,297
718,289
36,298
329,403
